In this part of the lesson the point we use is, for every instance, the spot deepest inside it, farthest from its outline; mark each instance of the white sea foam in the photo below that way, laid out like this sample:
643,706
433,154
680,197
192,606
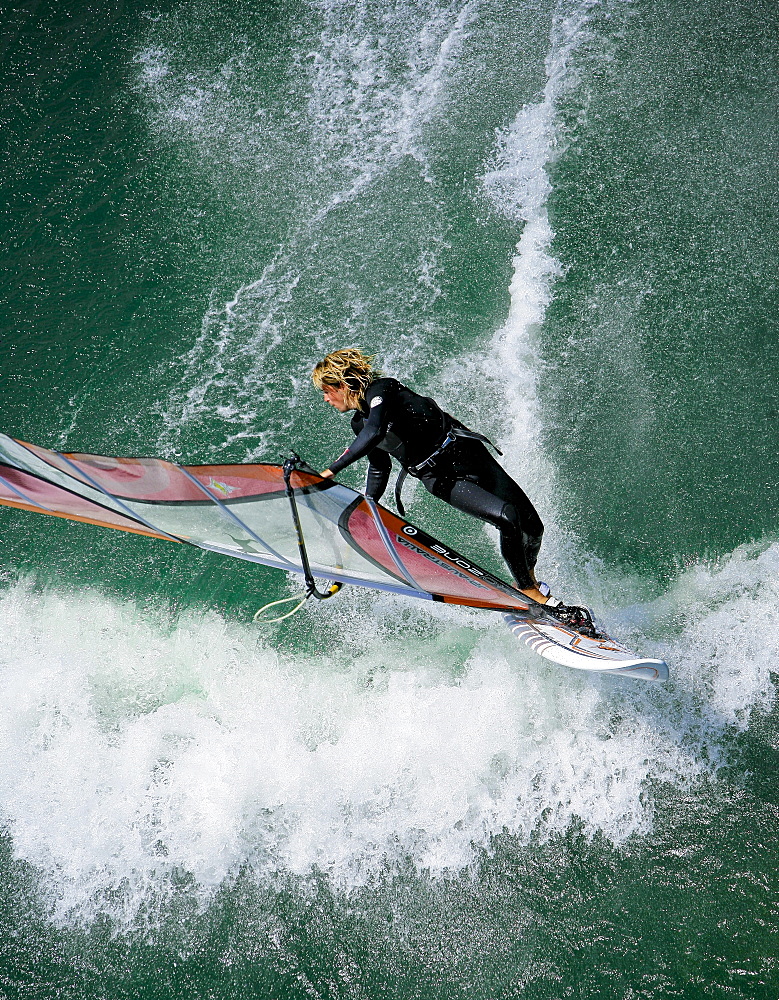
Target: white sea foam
517,186
153,66
727,616
365,118
133,748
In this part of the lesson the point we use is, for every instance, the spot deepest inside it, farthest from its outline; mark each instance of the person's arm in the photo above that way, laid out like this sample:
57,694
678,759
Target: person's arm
379,471
373,431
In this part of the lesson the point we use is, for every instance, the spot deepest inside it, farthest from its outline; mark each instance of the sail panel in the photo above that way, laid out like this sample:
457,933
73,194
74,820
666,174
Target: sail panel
28,492
243,511
41,464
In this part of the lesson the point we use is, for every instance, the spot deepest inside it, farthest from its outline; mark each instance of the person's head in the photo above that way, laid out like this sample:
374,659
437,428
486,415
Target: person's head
343,377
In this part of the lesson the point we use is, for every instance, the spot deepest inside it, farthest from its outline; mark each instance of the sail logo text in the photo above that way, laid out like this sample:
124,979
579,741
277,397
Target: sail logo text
446,565
457,560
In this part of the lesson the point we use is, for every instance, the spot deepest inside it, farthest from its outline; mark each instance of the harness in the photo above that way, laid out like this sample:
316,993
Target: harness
418,470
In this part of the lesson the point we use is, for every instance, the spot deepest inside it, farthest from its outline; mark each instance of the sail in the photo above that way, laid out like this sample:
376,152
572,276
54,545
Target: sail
243,511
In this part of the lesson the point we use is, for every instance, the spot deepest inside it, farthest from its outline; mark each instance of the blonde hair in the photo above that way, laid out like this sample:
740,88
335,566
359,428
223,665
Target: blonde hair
349,367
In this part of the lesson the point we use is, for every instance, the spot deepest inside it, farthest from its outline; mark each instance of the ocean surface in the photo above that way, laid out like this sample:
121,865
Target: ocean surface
560,219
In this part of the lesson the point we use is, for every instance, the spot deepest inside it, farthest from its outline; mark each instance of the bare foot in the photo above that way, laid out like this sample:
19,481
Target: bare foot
535,594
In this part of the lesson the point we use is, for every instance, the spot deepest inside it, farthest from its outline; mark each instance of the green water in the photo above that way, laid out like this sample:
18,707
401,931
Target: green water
560,221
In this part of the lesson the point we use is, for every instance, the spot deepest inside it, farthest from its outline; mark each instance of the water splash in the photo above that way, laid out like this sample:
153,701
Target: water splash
135,748
518,187
364,90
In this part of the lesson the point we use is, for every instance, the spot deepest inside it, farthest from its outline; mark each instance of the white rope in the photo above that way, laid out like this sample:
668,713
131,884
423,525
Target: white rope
273,604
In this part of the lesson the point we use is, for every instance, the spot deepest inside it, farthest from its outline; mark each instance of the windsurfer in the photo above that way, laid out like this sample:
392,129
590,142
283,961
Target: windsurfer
452,462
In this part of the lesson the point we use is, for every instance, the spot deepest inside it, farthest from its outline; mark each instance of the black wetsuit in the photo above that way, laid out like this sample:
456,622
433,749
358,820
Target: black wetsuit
394,421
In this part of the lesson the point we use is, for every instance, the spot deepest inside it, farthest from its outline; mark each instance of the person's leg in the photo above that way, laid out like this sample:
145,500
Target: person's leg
477,485
518,545
505,505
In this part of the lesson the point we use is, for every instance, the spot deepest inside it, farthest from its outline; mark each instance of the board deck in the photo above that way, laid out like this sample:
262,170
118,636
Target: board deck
548,638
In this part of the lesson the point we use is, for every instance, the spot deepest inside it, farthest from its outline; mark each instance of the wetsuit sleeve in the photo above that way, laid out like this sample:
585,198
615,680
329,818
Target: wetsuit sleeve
373,431
378,474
